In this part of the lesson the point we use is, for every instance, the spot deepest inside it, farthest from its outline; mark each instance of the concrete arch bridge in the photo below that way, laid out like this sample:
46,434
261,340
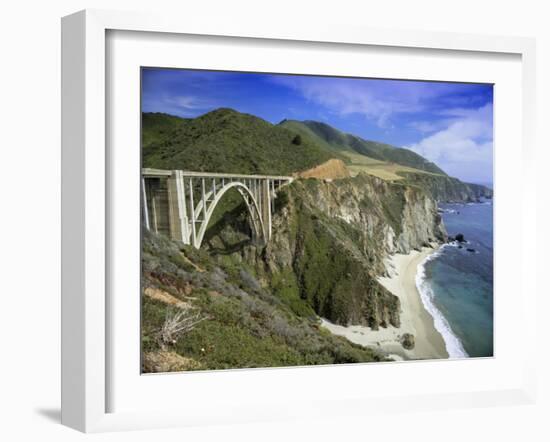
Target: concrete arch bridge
180,204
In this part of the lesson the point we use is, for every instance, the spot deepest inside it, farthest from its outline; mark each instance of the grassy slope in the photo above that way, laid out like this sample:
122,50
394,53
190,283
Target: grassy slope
330,139
228,141
337,142
381,169
347,143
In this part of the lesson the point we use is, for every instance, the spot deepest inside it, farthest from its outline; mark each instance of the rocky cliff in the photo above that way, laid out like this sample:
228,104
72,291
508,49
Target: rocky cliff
448,189
330,240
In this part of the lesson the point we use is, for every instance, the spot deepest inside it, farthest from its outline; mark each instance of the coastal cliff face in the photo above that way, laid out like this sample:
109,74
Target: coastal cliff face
448,189
330,240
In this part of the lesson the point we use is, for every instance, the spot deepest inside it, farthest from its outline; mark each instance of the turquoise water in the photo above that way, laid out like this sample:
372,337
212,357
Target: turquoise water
457,285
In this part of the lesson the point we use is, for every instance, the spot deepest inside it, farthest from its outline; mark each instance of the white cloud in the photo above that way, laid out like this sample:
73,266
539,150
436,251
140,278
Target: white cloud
376,100
186,106
424,126
465,147
188,102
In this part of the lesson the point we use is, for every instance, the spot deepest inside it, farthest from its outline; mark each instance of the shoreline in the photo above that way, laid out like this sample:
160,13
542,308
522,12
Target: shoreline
415,319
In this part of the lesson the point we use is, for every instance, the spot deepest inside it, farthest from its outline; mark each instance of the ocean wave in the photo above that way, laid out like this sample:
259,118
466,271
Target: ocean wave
454,244
477,203
452,342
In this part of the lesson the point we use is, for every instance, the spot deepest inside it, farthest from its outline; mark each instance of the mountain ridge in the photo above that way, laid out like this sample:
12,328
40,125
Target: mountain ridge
225,140
374,149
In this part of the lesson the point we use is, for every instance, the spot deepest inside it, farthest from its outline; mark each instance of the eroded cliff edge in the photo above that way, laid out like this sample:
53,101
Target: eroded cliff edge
330,241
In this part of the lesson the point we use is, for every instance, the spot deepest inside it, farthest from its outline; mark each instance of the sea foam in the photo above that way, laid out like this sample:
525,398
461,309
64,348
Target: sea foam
452,343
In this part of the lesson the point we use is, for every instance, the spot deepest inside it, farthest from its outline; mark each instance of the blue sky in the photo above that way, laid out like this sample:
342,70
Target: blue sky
448,123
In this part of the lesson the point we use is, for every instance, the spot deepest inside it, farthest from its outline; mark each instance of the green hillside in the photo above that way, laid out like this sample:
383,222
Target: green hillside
339,141
227,141
322,134
157,128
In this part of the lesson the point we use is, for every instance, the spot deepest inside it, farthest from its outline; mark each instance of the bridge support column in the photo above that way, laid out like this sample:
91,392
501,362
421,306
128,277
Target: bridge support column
265,198
144,207
179,226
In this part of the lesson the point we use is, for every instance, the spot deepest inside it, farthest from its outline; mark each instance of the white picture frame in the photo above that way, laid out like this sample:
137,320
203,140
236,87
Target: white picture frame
86,201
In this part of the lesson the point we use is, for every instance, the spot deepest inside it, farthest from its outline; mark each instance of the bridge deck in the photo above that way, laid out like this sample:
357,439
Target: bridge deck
148,172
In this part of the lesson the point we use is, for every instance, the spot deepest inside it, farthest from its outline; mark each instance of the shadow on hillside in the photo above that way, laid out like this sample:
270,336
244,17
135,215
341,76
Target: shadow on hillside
216,233
227,248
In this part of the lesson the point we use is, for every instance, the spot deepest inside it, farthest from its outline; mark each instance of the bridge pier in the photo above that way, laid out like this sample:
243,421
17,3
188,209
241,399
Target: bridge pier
168,201
266,208
179,223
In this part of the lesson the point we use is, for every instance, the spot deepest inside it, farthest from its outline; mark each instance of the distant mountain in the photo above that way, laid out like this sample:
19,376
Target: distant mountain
338,141
225,140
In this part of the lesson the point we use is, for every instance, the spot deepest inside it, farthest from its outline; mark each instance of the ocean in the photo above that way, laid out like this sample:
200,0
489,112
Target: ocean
456,285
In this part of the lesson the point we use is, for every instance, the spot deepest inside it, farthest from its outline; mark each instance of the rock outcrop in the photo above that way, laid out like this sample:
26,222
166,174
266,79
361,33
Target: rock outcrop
407,341
329,170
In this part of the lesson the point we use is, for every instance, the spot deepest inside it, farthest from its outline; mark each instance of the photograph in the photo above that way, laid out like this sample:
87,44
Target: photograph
298,220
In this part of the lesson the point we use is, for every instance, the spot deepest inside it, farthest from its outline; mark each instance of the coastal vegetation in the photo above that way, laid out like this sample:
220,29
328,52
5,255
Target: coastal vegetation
243,324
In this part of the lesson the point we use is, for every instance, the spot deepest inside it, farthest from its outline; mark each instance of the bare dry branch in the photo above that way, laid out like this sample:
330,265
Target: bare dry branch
177,324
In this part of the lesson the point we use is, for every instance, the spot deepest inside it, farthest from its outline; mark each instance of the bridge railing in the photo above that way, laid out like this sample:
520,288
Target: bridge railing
148,172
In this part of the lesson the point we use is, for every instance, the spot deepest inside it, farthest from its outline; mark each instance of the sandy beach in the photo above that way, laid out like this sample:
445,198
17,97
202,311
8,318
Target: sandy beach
415,319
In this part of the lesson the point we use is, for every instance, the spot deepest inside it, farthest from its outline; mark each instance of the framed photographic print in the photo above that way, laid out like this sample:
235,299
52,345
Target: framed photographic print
282,223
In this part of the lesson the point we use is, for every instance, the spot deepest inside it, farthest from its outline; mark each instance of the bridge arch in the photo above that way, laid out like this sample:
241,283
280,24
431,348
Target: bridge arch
251,205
